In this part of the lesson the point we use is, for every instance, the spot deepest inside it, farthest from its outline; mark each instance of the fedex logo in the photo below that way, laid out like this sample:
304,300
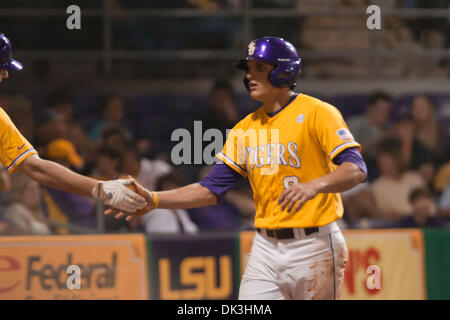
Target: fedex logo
9,269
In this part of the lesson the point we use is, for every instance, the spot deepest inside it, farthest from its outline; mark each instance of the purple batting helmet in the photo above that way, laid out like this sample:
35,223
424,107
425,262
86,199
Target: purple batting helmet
6,60
278,52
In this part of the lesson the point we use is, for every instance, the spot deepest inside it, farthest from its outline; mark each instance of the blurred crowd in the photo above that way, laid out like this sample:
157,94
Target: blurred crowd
408,161
407,154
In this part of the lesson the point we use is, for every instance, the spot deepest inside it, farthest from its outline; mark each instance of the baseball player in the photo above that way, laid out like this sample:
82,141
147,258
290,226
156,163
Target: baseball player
298,155
17,154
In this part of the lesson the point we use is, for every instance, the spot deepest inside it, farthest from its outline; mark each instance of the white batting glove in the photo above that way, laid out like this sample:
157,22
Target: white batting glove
114,193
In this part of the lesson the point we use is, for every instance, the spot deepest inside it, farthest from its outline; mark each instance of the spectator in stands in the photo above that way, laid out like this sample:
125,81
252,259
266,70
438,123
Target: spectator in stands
168,220
416,155
369,128
24,210
64,207
392,188
427,128
49,127
7,228
222,113
145,171
444,203
82,144
423,213
442,177
5,179
19,109
112,113
108,164
64,152
115,137
62,105
359,203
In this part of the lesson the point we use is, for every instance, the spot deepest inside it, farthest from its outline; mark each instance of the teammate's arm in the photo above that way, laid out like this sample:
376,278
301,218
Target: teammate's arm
55,176
113,193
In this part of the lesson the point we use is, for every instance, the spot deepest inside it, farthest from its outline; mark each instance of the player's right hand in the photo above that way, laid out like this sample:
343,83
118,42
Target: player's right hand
115,193
141,191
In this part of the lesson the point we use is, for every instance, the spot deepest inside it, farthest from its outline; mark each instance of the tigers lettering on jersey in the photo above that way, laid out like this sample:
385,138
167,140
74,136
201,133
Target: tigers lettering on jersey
273,154
297,145
14,148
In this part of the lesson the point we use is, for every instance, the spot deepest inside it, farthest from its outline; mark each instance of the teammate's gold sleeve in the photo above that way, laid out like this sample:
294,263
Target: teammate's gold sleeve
14,148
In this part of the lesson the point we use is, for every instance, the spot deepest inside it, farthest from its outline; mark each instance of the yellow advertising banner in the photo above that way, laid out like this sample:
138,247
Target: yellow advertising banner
383,264
73,267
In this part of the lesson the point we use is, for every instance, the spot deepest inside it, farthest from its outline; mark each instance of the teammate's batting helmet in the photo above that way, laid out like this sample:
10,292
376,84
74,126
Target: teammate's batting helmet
276,51
6,60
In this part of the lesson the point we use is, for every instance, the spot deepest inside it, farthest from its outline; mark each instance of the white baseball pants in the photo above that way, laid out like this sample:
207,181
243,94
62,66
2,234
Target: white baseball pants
304,268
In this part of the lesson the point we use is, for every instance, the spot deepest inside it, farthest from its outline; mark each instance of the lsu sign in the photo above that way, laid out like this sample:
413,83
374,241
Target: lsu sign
193,267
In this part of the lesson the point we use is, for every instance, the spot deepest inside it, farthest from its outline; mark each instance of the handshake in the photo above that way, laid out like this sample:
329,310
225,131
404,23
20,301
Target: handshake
118,194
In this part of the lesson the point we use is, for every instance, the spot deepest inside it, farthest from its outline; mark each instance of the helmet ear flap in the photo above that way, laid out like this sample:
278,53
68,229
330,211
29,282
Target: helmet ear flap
279,78
273,77
285,75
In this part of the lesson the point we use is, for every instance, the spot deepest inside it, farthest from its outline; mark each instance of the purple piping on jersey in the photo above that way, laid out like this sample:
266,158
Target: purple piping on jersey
222,178
23,154
272,114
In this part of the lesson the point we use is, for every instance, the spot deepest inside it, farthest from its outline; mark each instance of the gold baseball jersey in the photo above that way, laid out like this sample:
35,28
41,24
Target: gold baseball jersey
296,145
14,148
